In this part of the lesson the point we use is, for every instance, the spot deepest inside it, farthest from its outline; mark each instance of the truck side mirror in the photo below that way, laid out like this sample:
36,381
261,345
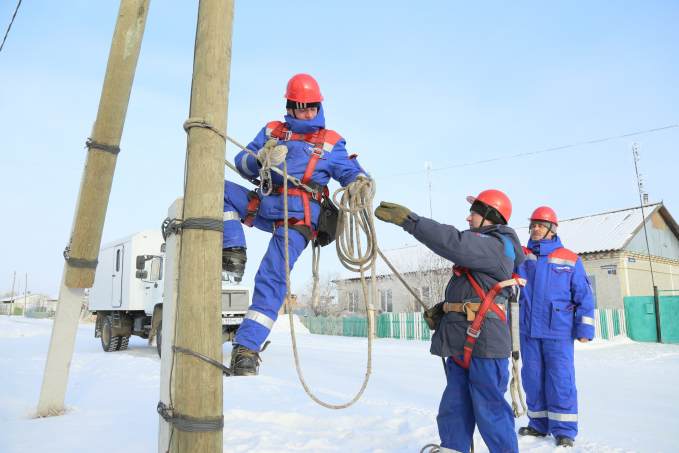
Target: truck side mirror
141,262
141,274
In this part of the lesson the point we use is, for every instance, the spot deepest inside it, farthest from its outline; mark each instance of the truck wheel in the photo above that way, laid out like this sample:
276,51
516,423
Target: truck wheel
159,337
109,343
124,341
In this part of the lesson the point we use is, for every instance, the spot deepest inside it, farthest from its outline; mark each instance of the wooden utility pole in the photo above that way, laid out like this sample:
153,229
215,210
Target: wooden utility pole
11,298
95,188
198,384
25,293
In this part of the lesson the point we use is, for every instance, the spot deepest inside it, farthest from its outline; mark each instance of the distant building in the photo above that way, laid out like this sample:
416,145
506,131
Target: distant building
612,246
29,303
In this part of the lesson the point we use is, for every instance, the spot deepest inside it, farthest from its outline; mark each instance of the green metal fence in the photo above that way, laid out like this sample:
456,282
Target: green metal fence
640,315
608,323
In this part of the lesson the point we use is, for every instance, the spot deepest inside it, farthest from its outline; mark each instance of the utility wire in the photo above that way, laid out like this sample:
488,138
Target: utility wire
545,150
10,25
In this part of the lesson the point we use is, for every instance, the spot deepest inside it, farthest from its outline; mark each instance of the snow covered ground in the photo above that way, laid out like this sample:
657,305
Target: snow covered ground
628,397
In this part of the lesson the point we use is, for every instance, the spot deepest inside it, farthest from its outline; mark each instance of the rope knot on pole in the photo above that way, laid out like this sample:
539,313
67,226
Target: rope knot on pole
200,122
91,144
189,424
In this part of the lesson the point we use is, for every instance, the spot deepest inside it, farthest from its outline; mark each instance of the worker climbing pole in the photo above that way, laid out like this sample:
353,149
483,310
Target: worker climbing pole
313,154
83,248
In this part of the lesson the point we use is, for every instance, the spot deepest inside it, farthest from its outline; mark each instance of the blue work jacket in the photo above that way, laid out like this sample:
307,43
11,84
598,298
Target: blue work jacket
491,254
334,163
557,301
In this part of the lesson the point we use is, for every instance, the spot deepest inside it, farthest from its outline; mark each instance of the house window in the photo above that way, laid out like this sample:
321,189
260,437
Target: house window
592,284
425,296
353,301
386,301
611,269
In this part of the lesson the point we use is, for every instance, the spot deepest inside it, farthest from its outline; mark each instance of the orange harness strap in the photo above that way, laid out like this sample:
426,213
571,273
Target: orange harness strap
487,303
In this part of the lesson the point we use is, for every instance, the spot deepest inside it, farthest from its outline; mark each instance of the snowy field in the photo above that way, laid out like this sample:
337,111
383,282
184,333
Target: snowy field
629,397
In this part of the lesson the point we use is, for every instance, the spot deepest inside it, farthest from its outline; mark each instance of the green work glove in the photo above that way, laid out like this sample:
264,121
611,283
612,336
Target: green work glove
432,316
392,213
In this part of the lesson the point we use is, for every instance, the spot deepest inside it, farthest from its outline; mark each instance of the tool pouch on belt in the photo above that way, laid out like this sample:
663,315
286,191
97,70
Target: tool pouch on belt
432,316
327,222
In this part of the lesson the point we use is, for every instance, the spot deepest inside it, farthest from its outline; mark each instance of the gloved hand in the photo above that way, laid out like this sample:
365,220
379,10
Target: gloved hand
360,187
432,316
272,155
392,212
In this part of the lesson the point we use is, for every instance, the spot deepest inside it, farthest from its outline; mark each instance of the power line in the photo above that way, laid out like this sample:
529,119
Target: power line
545,150
9,27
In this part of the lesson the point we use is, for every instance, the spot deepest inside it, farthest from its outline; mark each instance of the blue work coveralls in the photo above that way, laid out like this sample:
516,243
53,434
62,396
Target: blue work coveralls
556,307
269,290
474,396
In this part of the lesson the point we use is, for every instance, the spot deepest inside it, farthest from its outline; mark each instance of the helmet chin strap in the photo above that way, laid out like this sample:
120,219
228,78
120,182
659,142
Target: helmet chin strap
549,230
484,218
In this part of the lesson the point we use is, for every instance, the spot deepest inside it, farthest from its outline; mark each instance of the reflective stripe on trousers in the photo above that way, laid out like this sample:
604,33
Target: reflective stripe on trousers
260,318
553,416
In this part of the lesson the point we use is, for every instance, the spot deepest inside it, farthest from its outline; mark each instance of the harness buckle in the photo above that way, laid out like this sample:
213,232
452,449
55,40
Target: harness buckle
318,151
473,333
287,135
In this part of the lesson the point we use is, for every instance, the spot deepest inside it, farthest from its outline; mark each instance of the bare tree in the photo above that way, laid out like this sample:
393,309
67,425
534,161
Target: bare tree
430,279
326,302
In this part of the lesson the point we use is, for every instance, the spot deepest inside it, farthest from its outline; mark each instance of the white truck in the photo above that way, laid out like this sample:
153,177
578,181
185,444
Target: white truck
127,295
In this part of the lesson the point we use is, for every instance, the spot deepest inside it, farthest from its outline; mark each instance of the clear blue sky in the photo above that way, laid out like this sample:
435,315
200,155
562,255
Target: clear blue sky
404,82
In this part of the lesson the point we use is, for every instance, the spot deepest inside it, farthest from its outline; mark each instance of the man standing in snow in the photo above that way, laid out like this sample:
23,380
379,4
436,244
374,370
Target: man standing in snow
477,368
313,154
556,307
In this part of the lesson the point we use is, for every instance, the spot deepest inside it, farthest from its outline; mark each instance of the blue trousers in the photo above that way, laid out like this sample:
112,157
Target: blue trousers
269,291
548,375
476,397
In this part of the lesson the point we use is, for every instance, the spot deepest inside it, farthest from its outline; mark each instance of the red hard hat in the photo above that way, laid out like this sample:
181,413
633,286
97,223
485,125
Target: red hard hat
495,199
303,88
545,214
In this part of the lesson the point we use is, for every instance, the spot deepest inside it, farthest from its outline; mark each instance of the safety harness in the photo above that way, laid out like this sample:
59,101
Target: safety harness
323,141
487,303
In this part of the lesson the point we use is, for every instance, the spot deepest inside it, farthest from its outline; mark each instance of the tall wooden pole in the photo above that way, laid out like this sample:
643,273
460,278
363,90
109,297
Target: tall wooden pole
25,293
198,384
95,188
11,299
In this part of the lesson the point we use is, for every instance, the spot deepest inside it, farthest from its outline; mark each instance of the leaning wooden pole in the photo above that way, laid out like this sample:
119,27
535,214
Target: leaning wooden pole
83,248
197,398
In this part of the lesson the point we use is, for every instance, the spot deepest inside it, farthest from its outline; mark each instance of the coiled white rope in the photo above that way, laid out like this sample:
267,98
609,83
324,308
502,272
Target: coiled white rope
355,220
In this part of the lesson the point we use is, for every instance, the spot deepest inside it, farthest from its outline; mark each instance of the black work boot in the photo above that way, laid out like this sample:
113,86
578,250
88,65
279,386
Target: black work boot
233,262
244,361
563,441
530,431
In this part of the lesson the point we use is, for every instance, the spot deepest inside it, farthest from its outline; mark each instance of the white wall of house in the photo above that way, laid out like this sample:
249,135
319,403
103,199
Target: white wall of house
661,239
392,295
620,274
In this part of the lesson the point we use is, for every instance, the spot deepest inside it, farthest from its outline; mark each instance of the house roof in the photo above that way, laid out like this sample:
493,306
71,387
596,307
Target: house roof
606,231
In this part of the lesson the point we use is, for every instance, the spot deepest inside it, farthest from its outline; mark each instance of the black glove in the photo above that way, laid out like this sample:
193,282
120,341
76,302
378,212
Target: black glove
392,213
432,316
